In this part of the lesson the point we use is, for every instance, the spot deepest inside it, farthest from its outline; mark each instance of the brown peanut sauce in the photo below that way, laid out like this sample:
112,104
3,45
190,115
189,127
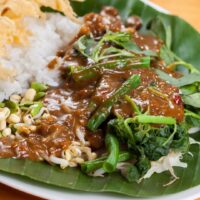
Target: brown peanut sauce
68,103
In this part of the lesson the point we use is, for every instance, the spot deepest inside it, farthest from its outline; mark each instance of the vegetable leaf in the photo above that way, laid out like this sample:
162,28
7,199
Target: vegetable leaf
192,100
192,119
130,172
85,45
185,80
161,28
188,85
166,55
93,50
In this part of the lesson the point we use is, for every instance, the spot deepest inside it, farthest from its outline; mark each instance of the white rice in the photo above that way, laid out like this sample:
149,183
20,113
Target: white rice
30,62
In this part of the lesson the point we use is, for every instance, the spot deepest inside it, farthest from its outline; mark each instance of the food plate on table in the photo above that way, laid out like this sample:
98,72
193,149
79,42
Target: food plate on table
104,102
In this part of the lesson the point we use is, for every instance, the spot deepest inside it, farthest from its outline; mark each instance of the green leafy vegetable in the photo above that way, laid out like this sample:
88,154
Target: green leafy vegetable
155,141
189,85
124,40
185,80
167,55
94,50
192,100
189,89
143,164
192,119
160,27
117,38
85,45
130,172
149,143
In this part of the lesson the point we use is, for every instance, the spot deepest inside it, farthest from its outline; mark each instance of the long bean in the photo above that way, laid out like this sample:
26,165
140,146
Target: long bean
112,144
93,165
104,110
150,119
93,71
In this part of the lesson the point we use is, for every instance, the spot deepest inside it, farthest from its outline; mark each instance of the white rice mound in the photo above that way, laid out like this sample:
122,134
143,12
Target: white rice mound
30,62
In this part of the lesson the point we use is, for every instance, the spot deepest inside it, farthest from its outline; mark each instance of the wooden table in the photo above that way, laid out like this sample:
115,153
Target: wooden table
187,9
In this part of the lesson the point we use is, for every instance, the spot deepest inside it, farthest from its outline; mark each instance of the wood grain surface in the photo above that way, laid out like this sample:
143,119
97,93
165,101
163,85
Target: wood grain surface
187,9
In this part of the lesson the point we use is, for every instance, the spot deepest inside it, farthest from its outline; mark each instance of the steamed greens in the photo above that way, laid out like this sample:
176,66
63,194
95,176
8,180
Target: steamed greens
146,142
125,47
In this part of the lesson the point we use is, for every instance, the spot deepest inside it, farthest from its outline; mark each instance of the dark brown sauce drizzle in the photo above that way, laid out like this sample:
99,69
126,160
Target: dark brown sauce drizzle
68,103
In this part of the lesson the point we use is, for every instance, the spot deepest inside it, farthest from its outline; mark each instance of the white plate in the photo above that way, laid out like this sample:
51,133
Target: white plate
57,193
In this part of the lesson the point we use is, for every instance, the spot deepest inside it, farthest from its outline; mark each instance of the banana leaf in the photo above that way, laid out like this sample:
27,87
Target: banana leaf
186,44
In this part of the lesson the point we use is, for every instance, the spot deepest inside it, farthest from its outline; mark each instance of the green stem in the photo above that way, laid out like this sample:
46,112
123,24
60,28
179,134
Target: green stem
128,55
171,136
123,64
104,110
191,114
112,144
158,93
129,131
93,165
133,105
190,67
150,119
